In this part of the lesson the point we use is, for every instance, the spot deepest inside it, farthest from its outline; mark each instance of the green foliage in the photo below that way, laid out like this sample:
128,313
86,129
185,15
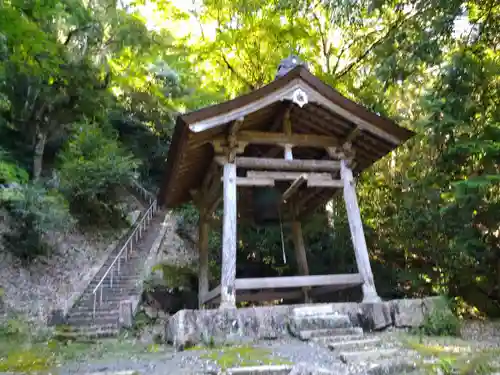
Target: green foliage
175,276
10,172
431,209
93,166
22,349
35,211
440,321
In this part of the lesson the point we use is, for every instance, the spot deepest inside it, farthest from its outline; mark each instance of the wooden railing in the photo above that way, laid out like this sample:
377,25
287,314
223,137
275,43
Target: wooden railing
123,254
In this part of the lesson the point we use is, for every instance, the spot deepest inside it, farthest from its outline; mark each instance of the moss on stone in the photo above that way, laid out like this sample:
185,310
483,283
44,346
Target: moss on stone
175,276
242,356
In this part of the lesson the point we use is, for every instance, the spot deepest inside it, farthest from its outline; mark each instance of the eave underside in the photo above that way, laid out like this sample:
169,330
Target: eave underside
195,154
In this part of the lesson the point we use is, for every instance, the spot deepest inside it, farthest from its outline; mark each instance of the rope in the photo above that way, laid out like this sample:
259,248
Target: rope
282,239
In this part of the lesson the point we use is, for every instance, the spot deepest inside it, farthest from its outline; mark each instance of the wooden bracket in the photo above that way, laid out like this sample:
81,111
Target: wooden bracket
345,151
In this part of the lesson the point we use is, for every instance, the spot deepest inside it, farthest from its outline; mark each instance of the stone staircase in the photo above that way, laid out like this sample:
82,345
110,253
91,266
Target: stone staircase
359,352
96,314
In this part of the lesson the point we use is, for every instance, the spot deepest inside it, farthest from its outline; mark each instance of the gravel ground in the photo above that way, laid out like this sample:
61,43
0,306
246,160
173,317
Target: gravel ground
192,362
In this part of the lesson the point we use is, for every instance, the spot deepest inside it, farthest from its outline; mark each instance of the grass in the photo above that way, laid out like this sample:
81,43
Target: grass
24,350
453,356
241,356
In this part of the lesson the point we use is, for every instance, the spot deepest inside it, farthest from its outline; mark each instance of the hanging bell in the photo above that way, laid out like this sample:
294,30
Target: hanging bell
266,203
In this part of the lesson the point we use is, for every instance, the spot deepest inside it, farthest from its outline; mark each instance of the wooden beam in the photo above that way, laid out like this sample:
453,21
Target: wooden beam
264,295
208,297
287,92
286,176
212,195
298,281
213,206
297,165
352,135
323,183
277,138
254,181
293,187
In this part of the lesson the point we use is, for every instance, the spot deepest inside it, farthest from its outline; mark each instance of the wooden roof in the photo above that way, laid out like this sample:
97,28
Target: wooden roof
326,113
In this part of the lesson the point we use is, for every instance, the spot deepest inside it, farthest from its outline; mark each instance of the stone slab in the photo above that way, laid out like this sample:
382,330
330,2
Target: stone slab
367,355
351,344
307,335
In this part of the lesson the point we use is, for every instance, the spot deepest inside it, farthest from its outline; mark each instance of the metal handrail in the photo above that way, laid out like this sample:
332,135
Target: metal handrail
148,196
136,234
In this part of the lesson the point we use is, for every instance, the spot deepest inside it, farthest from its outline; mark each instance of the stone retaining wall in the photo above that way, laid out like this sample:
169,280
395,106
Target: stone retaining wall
191,327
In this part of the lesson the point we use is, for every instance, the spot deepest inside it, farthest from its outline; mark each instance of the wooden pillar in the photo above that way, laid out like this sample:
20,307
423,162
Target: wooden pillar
287,129
288,152
228,277
203,272
357,234
300,253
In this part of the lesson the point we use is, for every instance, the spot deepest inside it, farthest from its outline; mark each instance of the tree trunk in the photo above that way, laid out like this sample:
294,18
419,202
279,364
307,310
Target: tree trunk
38,150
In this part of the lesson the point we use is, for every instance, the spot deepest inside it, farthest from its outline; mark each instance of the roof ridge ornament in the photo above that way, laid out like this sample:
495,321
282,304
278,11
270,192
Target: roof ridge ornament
300,98
288,64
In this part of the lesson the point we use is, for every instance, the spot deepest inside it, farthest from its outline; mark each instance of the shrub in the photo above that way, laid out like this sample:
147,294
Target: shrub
441,321
35,211
92,167
10,172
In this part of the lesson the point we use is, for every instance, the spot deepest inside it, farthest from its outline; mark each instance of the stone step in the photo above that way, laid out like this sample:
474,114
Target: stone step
313,318
122,289
128,276
112,295
363,343
88,321
89,330
260,370
98,313
366,355
107,290
126,284
89,333
338,338
306,335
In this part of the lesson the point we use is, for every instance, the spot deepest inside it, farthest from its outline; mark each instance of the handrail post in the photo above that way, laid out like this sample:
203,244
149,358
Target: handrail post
111,278
101,296
119,261
93,310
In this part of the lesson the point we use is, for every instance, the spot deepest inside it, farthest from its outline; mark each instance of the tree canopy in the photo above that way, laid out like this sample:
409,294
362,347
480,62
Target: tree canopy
89,91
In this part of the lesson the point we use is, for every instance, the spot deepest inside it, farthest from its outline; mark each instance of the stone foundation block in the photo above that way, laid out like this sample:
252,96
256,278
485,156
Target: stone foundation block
375,316
411,313
226,326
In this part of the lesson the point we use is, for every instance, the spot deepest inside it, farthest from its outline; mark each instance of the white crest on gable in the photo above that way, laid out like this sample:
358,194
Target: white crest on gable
299,93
